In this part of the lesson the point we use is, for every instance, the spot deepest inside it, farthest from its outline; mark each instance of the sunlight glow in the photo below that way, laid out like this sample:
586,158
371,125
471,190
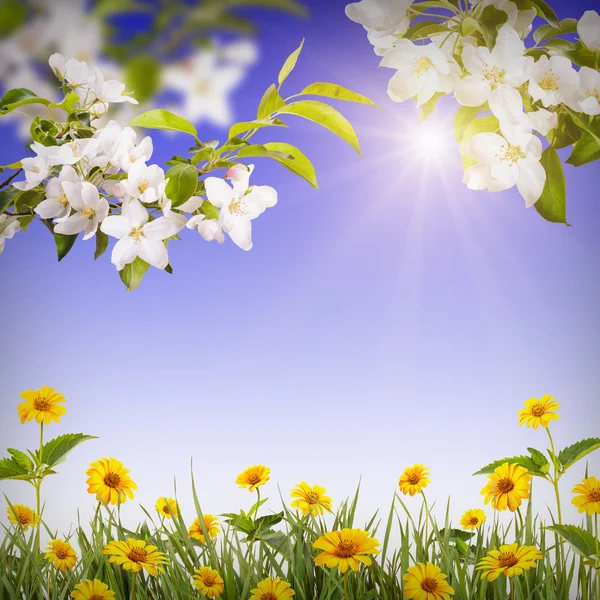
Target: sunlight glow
431,140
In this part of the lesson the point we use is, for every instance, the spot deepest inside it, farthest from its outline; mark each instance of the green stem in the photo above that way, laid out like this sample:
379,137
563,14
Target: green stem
512,588
597,552
427,517
346,585
37,491
133,585
554,480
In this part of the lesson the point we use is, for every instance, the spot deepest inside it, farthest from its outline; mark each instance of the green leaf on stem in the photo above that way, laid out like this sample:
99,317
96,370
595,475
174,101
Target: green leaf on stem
270,102
21,459
7,197
55,451
336,92
101,244
571,454
133,273
244,126
11,469
289,64
299,164
523,461
181,186
64,243
163,119
582,542
545,11
552,204
585,150
19,97
464,116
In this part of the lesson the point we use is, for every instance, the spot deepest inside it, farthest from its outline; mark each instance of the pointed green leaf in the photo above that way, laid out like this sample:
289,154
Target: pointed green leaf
289,64
7,197
539,459
326,116
21,459
429,106
11,469
331,90
210,210
300,163
244,126
585,151
101,244
552,204
64,243
464,116
19,97
523,461
133,273
55,451
580,540
261,150
163,119
545,11
270,102
571,454
183,179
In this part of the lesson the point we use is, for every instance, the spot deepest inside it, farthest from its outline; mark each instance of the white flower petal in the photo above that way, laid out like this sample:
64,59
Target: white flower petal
154,252
116,226
531,181
218,192
74,224
124,252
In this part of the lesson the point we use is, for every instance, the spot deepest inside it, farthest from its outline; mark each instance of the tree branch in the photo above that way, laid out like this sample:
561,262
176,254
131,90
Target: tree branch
9,180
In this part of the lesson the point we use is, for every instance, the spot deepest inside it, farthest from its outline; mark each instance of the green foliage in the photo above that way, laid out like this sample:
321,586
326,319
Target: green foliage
183,179
545,32
133,273
571,454
142,77
289,64
464,116
491,19
101,244
585,150
55,451
64,243
270,103
297,162
336,92
19,97
527,462
580,540
552,204
163,119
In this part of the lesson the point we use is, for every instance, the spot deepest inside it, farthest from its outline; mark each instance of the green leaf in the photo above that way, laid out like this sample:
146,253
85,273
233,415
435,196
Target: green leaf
539,458
300,163
268,521
69,102
429,106
27,200
210,210
523,461
240,523
547,31
580,540
55,451
163,119
571,454
6,197
270,102
469,25
64,243
260,150
337,92
326,116
142,77
482,125
13,14
289,64
101,244
288,6
11,469
182,183
18,97
244,126
491,18
566,133
425,28
464,115
21,459
585,151
133,273
545,11
456,534
552,204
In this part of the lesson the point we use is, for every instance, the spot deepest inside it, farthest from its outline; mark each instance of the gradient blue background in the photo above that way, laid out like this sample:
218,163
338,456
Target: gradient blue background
389,318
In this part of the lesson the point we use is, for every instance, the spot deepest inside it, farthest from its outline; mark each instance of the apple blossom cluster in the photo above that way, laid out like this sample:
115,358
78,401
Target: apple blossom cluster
476,50
105,183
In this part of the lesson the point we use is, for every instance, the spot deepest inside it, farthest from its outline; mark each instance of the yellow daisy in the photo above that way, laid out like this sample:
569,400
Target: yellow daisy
41,405
208,582
510,560
311,499
22,515
212,527
539,412
588,498
414,479
92,590
426,582
110,481
61,554
135,555
167,507
473,519
254,476
507,487
345,549
272,589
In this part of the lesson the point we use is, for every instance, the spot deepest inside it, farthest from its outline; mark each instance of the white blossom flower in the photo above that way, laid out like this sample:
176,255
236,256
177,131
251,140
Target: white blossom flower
74,151
127,153
383,16
418,71
144,182
519,20
551,79
588,29
243,52
90,209
111,91
240,204
112,137
494,76
209,229
505,161
58,65
56,205
9,231
586,98
36,169
139,237
543,120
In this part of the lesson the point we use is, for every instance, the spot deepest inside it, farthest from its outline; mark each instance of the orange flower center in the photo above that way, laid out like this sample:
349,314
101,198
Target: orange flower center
473,521
112,480
346,549
137,555
268,596
209,580
61,553
413,479
97,597
253,479
594,495
507,559
41,404
429,585
24,518
312,498
538,410
166,510
505,485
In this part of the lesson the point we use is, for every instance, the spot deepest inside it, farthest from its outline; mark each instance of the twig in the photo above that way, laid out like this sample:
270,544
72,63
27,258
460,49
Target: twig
7,182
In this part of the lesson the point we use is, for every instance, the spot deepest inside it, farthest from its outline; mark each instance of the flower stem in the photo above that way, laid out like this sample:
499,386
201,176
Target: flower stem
37,491
133,585
554,480
346,585
598,569
426,523
512,588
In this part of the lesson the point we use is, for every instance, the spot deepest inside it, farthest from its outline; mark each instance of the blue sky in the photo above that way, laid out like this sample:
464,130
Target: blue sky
391,317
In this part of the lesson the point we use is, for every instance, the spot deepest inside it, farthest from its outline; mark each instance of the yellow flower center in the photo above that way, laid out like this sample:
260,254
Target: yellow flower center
24,518
209,580
422,65
166,510
237,208
312,498
493,74
473,521
594,495
112,480
137,233
137,555
41,404
268,596
132,158
88,213
511,154
413,479
253,479
346,549
550,82
35,169
204,88
429,585
76,148
593,93
62,198
97,597
538,410
507,559
61,553
144,185
505,485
